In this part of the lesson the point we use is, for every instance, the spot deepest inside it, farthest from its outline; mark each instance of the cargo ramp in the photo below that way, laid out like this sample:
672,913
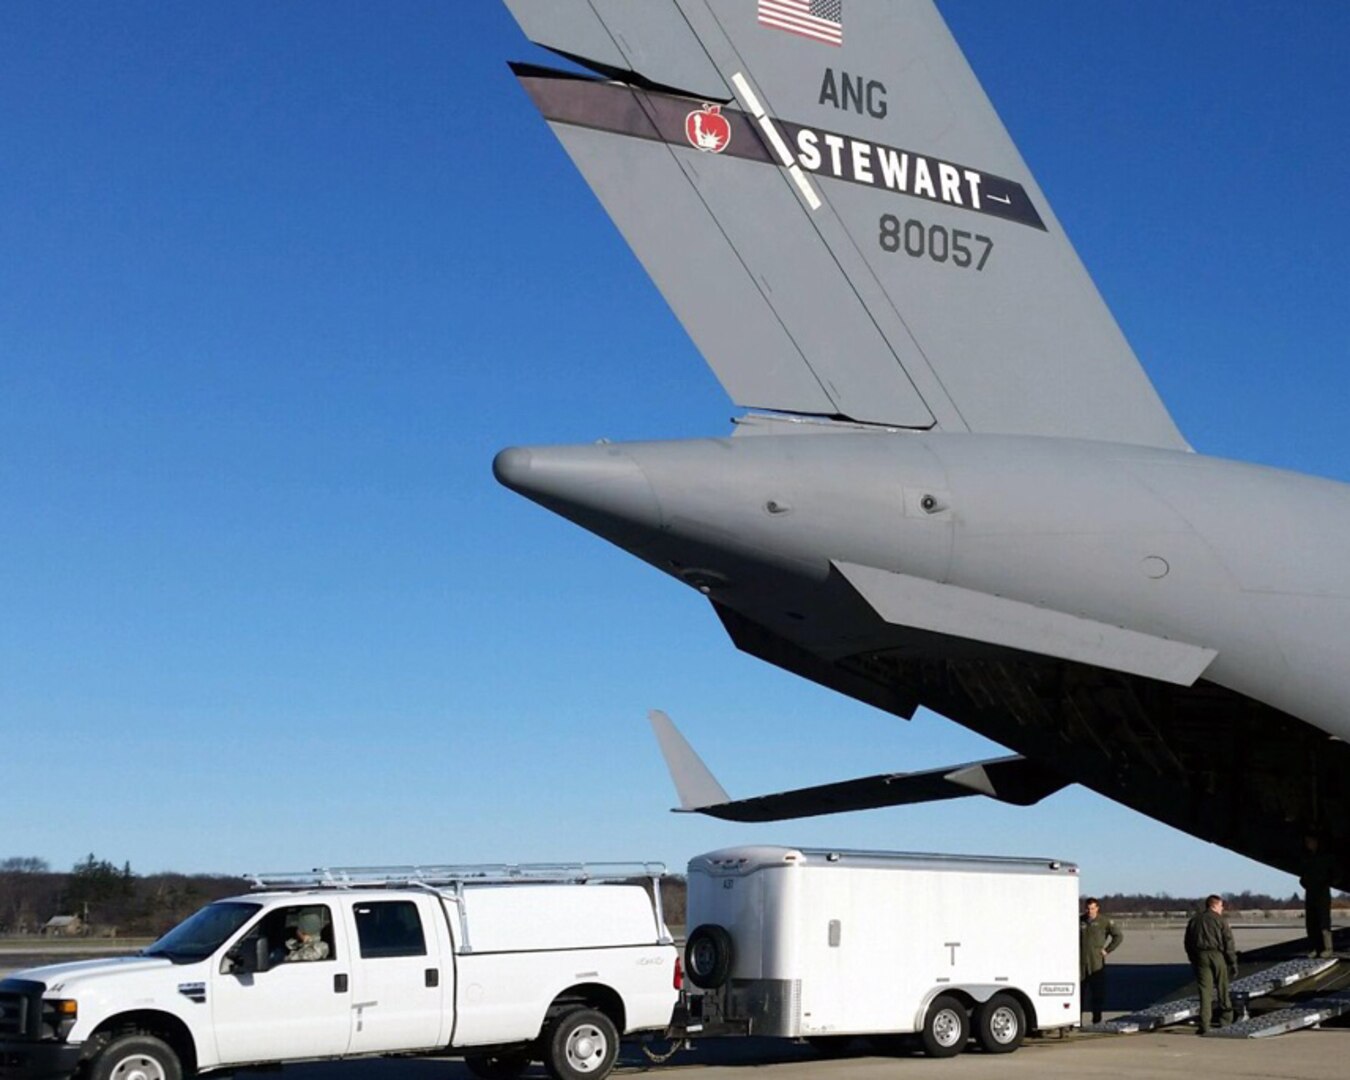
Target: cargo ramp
1280,976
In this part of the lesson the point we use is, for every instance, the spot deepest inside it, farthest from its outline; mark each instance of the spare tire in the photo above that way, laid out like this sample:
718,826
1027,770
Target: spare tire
707,956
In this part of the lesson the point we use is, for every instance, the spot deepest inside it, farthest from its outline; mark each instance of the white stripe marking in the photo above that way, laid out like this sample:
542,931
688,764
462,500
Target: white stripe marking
808,192
747,95
780,147
776,141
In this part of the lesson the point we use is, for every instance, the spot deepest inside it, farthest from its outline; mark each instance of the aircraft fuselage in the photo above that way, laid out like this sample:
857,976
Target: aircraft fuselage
1161,569
1244,560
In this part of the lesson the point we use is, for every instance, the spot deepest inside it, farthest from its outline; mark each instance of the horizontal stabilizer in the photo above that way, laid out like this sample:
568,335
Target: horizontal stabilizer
1013,779
914,602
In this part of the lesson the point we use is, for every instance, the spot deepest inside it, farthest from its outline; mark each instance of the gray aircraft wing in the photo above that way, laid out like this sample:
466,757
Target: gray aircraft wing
825,196
1012,779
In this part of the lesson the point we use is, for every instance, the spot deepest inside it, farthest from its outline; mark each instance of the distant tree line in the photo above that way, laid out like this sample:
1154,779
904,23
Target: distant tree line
1142,903
113,900
107,898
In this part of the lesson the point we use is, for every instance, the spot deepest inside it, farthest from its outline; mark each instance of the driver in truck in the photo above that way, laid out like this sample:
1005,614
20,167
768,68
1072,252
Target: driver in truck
307,945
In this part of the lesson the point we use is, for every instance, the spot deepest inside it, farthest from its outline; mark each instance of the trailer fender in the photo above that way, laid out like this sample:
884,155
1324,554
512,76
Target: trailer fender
973,995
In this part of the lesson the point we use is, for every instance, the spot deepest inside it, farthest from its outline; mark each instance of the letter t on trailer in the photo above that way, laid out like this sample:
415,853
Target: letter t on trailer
798,942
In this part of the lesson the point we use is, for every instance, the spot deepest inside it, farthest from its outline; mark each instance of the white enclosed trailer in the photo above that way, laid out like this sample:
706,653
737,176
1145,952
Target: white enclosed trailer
799,942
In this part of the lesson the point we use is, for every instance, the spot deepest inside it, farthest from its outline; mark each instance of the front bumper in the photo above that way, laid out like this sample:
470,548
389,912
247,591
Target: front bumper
23,1060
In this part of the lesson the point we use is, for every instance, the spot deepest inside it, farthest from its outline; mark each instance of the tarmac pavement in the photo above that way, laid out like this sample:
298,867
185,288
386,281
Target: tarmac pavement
1169,1055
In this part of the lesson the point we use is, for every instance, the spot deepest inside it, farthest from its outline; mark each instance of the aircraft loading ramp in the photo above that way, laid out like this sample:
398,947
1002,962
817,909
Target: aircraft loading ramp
1304,1015
1293,976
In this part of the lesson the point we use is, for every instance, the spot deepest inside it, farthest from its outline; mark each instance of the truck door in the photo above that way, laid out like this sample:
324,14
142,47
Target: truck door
300,1006
402,975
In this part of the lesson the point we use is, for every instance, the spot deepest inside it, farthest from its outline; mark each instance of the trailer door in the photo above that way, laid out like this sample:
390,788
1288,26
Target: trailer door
401,976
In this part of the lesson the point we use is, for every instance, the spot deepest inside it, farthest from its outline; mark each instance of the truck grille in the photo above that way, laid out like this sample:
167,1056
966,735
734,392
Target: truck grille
20,1008
13,1015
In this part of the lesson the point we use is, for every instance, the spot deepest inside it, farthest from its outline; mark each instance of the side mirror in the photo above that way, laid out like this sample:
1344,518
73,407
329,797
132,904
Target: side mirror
248,956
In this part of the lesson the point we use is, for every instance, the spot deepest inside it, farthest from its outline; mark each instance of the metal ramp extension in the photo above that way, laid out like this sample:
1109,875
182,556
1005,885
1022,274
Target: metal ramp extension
1305,1015
1258,984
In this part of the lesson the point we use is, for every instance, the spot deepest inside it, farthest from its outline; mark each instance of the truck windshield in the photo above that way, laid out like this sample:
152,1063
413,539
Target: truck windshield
201,934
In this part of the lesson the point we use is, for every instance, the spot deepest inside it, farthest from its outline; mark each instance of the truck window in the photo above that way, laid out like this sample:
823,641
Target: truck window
301,933
389,928
199,936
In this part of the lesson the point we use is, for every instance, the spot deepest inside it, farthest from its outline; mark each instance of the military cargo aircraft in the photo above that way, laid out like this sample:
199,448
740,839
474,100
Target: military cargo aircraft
954,485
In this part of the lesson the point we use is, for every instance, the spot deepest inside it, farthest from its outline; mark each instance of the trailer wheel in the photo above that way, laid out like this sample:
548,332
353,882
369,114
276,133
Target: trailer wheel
830,1046
581,1045
505,1066
895,1044
708,956
1000,1024
946,1028
136,1057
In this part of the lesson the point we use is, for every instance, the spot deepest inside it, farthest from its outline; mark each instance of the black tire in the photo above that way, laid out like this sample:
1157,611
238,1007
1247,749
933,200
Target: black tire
708,955
895,1045
830,1046
135,1055
946,1027
580,1045
502,1066
1000,1024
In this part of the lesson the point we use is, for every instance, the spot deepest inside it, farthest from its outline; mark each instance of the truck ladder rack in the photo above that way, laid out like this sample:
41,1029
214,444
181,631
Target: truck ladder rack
1257,984
449,881
449,875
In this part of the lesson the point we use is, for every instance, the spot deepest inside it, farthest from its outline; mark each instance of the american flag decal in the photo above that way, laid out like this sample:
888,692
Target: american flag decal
820,20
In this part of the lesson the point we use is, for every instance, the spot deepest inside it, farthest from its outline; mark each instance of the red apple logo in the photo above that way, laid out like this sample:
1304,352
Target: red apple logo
708,129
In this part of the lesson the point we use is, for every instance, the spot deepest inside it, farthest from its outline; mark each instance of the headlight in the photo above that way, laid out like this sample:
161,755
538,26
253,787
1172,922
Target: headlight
58,1017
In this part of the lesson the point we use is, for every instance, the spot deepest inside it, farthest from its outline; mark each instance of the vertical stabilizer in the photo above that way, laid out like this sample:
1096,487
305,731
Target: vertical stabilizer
694,784
833,209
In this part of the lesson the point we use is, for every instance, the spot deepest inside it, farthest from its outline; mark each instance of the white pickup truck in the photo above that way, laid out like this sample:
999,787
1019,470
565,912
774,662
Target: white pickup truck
502,965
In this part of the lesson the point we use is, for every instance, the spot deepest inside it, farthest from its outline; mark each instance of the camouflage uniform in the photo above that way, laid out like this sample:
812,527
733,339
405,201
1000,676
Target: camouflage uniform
1094,937
1213,957
310,925
306,950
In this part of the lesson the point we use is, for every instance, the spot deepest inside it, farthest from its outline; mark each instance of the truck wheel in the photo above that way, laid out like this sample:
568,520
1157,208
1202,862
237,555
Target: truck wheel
136,1057
581,1044
497,1066
946,1028
708,956
1000,1024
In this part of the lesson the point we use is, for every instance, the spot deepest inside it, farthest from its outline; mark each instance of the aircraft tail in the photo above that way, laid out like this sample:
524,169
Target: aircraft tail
828,201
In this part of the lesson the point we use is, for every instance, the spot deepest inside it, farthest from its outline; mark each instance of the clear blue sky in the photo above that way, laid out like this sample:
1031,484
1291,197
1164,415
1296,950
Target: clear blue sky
277,280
